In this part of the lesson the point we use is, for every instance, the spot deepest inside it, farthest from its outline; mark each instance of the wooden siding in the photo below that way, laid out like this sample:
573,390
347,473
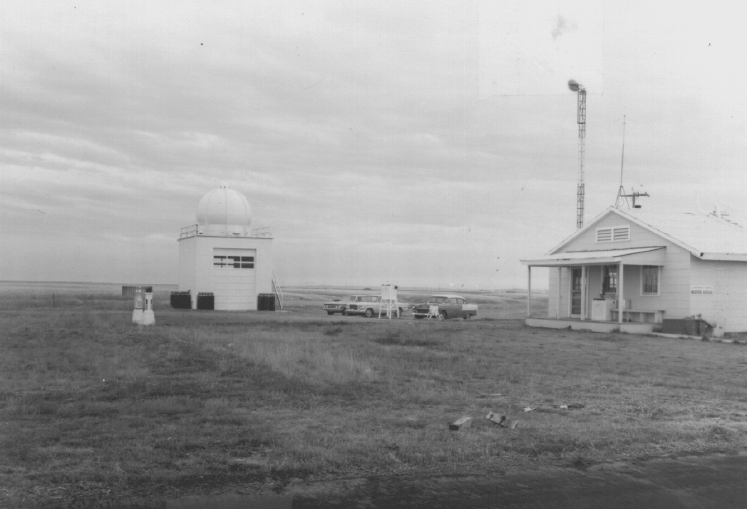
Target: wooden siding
728,303
552,292
639,237
593,283
564,292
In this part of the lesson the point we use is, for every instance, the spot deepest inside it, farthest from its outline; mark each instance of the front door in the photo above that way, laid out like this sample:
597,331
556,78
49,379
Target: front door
576,291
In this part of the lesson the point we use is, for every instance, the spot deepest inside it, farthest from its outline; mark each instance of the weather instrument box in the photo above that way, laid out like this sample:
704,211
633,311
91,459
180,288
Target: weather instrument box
389,292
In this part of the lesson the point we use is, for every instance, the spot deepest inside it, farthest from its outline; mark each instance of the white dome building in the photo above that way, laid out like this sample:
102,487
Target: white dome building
219,255
224,212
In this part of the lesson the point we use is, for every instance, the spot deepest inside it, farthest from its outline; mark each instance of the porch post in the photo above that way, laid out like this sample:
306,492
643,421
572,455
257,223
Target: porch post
529,289
583,292
557,297
620,302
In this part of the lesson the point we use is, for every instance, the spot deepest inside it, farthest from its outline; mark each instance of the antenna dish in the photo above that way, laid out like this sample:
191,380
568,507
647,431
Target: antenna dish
574,86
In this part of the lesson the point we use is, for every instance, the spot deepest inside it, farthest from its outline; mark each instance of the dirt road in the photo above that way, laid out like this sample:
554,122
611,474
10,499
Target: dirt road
718,481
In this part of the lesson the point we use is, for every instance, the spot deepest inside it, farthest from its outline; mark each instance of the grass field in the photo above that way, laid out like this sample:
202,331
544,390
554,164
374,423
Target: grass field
93,407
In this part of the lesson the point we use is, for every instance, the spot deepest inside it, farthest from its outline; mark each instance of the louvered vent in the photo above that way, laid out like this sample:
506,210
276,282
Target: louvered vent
613,234
604,235
620,234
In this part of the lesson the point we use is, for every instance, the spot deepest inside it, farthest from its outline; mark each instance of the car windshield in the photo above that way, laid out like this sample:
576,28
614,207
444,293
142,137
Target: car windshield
351,298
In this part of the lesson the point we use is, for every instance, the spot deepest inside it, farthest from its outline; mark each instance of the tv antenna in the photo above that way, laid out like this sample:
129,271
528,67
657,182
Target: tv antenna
581,121
621,196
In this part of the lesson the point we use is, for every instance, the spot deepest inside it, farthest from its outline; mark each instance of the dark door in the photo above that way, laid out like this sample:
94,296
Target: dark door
576,291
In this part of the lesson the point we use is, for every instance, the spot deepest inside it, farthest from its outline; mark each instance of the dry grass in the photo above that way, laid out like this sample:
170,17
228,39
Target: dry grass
92,406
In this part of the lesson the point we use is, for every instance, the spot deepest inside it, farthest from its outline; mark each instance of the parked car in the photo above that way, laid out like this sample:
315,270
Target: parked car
338,305
449,306
370,305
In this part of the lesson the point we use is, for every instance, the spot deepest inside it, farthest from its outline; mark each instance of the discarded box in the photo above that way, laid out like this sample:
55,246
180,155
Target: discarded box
501,420
510,423
492,416
462,422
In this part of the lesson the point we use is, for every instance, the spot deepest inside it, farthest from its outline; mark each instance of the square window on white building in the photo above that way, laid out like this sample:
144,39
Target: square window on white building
609,281
649,280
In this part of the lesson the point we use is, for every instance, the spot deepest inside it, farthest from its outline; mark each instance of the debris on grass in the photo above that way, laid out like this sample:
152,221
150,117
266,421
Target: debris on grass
492,416
502,420
572,406
510,423
461,423
528,409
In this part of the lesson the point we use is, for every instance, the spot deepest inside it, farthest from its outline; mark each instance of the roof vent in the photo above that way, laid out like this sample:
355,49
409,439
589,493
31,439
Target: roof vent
613,234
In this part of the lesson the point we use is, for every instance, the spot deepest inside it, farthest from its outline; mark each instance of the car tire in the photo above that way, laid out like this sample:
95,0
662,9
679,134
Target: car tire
399,312
369,313
442,315
467,316
343,312
418,317
330,313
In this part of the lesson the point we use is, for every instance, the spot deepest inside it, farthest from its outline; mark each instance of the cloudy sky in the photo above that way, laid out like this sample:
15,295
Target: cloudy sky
420,143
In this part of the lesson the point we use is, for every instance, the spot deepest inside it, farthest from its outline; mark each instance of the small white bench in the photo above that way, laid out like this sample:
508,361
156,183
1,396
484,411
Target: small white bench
642,315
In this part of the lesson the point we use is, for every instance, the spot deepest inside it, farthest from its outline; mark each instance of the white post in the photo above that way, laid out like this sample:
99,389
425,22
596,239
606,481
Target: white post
148,317
583,292
137,313
620,301
529,289
557,296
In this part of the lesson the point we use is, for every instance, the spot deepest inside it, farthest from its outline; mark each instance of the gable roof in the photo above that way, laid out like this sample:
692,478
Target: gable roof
703,235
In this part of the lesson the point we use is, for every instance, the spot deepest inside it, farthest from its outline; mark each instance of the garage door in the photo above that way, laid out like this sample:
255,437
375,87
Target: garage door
234,281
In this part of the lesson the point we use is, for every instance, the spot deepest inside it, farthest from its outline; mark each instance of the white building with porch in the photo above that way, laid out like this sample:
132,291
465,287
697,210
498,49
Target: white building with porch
633,269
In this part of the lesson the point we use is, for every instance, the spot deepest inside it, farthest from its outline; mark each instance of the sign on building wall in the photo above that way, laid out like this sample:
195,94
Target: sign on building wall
701,290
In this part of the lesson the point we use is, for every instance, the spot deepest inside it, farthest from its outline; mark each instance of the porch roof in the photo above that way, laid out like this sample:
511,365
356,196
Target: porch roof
608,257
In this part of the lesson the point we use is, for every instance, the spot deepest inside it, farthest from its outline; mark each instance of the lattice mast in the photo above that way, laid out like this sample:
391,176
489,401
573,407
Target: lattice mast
581,121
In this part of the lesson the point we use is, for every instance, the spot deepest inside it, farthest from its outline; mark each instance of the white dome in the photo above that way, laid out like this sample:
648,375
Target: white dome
224,211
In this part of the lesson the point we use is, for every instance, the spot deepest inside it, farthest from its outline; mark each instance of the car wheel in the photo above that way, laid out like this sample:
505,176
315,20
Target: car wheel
467,316
418,317
442,315
369,313
399,312
330,313
343,312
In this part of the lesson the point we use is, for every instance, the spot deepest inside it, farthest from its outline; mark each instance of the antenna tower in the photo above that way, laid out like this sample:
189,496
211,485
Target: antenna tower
581,121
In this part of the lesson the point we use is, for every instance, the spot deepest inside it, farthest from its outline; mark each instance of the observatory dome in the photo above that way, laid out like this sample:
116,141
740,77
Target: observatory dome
224,211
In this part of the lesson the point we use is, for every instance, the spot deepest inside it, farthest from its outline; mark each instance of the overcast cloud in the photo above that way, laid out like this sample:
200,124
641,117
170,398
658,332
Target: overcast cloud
419,143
